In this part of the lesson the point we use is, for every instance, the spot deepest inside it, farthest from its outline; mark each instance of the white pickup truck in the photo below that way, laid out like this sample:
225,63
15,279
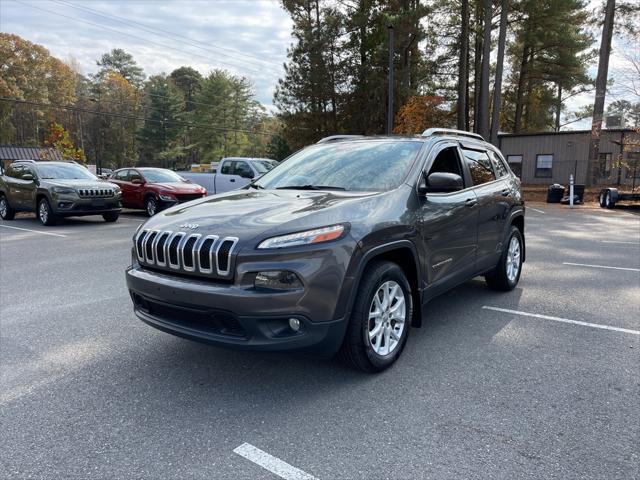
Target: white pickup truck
232,173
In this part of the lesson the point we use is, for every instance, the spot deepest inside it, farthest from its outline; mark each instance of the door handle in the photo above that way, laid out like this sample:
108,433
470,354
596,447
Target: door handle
471,202
232,180
506,192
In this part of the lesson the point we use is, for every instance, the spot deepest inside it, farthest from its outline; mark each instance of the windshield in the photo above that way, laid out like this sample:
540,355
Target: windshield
64,172
356,166
162,176
262,166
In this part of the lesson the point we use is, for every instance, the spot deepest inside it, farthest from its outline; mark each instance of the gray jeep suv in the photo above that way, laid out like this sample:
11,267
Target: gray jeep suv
54,190
337,249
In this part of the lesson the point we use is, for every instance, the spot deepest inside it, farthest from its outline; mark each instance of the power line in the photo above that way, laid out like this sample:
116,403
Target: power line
154,30
130,117
132,36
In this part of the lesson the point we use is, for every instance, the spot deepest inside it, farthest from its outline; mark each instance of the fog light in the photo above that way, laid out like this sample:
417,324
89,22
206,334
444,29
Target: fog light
294,324
277,280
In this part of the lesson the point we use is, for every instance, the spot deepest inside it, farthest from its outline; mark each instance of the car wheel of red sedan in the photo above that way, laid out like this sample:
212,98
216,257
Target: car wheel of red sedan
151,206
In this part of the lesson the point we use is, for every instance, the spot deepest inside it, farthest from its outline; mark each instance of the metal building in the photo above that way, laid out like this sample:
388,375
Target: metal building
546,158
9,153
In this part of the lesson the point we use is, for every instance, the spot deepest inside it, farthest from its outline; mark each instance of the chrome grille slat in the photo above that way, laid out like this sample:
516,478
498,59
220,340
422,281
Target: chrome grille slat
186,252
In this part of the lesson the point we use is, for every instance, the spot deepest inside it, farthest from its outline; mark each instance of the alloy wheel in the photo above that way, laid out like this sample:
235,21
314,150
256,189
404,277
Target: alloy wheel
43,212
513,259
151,207
387,318
3,207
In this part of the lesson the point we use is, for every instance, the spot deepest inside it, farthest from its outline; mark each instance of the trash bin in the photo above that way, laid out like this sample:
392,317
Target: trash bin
555,193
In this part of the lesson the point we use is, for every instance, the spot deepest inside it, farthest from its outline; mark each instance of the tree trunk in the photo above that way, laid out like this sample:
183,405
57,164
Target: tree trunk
558,108
601,90
477,64
483,114
517,121
497,88
463,76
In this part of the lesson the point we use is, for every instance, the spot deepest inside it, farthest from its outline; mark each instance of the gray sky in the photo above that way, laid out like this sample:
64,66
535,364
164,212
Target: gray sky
247,37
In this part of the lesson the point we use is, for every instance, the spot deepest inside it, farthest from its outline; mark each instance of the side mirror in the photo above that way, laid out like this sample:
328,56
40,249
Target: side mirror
137,181
443,182
28,177
246,174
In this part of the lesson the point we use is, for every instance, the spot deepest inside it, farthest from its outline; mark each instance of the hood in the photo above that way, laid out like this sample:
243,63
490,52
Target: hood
179,187
248,214
79,183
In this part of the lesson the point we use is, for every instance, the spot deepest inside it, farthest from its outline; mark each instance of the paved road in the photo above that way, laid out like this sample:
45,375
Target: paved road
88,391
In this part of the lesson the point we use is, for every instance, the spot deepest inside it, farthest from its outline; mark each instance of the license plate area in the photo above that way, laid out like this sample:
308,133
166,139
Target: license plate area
99,202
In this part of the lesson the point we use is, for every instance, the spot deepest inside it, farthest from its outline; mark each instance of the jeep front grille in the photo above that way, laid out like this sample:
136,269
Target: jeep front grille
186,252
95,192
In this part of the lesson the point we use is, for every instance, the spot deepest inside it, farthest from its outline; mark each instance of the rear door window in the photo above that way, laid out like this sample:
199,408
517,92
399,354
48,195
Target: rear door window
498,165
480,166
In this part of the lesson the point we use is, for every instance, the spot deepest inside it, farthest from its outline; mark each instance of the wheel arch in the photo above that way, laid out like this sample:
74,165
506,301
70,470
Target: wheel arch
404,254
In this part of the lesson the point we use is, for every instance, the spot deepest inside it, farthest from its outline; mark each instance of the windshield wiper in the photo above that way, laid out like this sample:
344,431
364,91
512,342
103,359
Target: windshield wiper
256,186
310,187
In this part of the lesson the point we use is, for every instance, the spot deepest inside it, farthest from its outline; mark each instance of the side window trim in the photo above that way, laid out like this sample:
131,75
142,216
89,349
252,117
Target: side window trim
466,162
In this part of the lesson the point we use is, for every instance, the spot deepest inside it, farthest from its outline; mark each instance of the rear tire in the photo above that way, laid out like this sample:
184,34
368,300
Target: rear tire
45,213
111,217
608,202
381,318
151,206
506,274
6,212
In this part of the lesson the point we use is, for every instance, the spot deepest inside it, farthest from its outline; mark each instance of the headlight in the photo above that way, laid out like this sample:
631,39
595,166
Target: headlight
318,235
166,197
64,190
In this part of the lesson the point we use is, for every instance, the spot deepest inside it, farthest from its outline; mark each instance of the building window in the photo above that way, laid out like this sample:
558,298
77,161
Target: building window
604,165
544,166
515,163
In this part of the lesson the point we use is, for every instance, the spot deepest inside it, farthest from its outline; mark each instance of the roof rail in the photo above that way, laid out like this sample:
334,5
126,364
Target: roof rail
31,160
339,138
450,131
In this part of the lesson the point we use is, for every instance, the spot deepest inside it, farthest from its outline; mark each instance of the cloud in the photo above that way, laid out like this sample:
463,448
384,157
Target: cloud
247,37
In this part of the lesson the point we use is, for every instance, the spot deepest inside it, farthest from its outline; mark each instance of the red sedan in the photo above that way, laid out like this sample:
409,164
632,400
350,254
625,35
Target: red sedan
154,189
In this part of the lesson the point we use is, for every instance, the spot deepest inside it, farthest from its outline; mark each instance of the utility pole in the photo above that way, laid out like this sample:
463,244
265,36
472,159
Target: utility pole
390,106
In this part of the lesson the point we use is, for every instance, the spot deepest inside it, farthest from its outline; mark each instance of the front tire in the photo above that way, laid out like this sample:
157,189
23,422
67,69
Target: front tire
506,274
151,206
111,217
379,325
6,212
45,213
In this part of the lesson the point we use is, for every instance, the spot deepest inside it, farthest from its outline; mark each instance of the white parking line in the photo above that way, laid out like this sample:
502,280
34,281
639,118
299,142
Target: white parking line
34,231
601,266
563,320
271,463
535,210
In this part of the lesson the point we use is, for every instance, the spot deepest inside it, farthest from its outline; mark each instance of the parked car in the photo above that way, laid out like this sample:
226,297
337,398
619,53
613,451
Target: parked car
154,189
338,249
231,173
54,190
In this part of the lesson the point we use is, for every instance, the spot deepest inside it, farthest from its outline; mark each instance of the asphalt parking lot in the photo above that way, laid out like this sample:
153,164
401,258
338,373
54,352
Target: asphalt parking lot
540,382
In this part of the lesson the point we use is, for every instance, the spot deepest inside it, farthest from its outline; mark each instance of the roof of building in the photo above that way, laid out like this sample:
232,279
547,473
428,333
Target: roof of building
567,132
15,152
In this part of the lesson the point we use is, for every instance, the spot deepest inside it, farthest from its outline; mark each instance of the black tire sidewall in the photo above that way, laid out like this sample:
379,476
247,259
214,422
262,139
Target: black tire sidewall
391,272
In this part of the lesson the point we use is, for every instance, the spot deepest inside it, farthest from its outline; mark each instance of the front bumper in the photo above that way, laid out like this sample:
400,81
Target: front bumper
230,315
69,206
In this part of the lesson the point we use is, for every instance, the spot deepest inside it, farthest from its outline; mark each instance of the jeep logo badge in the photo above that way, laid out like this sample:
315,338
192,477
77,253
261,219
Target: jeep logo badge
190,226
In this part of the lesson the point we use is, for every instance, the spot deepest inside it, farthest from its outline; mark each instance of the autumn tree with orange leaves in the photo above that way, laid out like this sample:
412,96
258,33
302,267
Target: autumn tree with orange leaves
422,112
58,138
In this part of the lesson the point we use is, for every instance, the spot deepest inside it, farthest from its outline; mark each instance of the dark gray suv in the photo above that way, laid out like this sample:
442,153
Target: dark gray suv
337,249
54,190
